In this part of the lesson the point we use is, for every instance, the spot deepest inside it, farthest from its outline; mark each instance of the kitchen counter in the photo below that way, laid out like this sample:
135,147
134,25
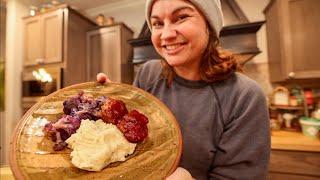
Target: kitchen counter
5,173
295,141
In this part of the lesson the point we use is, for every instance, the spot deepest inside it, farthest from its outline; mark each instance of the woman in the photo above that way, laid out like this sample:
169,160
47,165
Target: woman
222,113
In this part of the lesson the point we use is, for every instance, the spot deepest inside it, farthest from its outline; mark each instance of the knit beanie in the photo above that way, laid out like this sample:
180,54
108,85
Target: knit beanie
211,9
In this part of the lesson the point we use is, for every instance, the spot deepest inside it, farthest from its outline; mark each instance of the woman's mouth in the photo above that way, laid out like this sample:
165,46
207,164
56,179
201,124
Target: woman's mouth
172,49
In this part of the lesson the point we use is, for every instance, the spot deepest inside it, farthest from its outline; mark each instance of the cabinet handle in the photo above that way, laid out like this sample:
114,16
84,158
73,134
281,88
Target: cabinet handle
291,75
40,60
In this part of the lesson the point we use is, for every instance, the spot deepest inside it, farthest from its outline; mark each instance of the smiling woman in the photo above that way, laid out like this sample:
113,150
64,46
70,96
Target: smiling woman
179,34
222,113
188,41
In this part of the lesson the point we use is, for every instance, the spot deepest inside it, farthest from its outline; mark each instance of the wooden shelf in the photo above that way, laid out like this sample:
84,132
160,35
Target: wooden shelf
295,141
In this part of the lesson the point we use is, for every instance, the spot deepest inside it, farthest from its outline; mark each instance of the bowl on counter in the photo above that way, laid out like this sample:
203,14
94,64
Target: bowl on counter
310,127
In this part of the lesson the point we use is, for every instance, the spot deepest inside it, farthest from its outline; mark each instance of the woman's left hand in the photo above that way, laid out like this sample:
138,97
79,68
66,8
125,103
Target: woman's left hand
180,174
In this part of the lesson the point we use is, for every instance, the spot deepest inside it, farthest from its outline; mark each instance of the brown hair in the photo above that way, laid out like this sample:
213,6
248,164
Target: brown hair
216,65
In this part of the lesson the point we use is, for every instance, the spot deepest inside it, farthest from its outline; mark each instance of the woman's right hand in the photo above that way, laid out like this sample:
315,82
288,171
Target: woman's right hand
102,78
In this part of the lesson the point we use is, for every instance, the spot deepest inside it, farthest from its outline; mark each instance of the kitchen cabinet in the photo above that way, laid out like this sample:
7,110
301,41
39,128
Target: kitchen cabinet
52,36
294,156
32,41
109,52
294,165
43,38
292,30
57,38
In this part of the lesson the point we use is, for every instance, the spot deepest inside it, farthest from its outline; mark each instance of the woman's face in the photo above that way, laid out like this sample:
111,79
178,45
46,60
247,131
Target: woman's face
179,32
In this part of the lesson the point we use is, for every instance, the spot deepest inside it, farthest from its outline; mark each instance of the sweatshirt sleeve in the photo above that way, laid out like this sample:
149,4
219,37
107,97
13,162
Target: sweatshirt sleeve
244,148
148,73
136,81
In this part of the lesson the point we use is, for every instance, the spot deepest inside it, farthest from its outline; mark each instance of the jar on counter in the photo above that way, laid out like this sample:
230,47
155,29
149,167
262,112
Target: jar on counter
293,101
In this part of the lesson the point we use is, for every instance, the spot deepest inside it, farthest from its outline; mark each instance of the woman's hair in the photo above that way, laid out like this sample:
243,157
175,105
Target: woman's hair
216,63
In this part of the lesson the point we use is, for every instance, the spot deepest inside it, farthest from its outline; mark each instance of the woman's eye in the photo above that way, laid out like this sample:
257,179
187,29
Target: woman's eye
156,24
182,17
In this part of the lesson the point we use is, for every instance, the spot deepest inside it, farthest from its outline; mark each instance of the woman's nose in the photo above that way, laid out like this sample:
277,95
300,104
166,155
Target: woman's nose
168,32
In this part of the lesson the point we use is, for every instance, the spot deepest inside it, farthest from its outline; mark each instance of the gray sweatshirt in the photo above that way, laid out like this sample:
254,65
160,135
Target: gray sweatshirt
225,125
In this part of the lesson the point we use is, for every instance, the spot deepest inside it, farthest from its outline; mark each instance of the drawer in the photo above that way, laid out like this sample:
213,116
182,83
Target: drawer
280,176
294,163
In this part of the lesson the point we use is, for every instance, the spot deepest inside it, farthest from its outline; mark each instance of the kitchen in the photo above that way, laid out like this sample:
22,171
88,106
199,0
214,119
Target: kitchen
264,67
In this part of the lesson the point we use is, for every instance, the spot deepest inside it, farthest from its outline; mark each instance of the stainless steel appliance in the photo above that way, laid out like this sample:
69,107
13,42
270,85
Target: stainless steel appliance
38,82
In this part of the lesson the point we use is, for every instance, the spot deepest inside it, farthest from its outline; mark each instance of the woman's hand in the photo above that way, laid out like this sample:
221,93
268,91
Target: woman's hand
180,174
102,78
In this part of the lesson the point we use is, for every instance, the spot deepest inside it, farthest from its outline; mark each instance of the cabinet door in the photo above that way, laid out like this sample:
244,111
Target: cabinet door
33,41
52,36
274,38
93,55
110,53
103,53
301,21
294,163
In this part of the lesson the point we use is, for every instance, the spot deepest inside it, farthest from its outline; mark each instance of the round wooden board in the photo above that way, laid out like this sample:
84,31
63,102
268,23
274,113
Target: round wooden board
32,157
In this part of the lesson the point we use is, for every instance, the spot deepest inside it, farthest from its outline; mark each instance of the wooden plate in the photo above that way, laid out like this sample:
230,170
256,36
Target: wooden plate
32,157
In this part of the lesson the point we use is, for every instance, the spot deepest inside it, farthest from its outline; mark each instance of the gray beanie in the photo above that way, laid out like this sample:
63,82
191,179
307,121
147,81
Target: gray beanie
211,9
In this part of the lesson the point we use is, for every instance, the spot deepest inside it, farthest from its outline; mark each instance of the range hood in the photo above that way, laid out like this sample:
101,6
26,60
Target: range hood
239,36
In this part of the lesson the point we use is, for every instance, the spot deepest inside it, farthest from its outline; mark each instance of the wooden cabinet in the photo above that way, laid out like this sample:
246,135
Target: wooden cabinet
294,165
58,38
294,156
43,38
109,52
293,28
52,24
32,41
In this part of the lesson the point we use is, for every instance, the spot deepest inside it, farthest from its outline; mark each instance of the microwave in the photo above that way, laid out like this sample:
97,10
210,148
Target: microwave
40,81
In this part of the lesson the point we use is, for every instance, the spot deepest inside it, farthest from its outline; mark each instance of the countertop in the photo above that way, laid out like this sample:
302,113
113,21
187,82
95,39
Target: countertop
5,173
295,141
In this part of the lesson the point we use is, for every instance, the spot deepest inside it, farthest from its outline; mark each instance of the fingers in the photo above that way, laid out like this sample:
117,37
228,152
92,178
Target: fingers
102,78
180,174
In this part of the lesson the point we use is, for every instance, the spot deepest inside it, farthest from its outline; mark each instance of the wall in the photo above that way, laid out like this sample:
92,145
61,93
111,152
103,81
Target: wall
2,57
3,12
2,136
16,9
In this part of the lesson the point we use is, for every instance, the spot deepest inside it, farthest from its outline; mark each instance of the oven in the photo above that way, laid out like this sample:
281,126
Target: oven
38,82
